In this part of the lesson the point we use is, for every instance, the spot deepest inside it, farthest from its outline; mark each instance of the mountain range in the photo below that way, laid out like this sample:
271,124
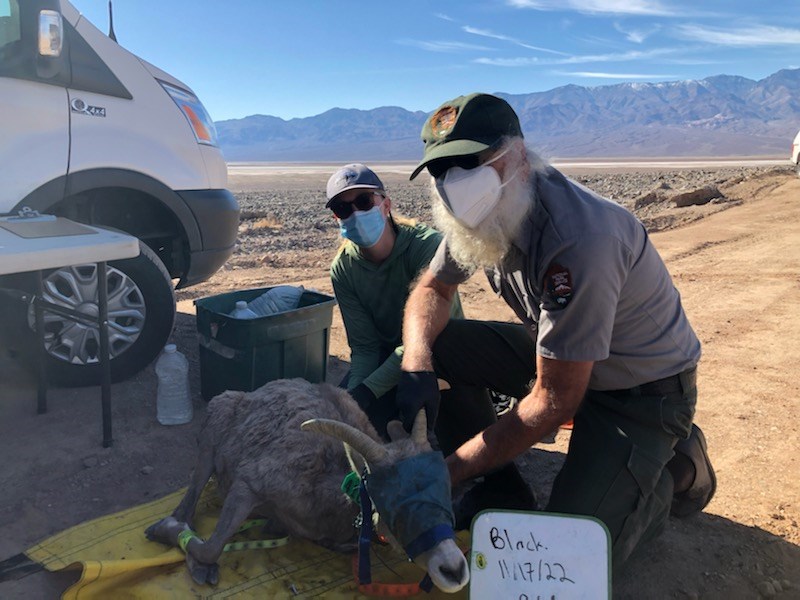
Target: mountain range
723,115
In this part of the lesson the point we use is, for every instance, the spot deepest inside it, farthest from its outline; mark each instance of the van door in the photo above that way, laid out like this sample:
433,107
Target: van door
34,114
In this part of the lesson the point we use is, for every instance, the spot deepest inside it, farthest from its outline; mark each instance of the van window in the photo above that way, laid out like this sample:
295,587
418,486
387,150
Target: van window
19,50
10,34
79,66
9,23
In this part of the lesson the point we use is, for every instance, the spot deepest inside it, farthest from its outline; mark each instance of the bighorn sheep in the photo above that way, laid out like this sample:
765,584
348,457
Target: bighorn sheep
270,459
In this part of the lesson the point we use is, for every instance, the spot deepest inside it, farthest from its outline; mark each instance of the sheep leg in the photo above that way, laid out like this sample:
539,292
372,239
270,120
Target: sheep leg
201,556
200,476
167,529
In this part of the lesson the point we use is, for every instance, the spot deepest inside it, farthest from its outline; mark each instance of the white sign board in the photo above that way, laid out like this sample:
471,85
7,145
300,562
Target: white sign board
539,556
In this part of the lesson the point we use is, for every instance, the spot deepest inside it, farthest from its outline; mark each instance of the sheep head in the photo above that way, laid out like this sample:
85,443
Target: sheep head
410,487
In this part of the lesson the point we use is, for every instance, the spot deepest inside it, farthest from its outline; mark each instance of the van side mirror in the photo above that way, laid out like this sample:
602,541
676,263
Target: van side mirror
51,33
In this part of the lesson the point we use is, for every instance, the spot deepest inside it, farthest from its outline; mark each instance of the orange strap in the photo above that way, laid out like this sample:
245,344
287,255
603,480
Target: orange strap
390,590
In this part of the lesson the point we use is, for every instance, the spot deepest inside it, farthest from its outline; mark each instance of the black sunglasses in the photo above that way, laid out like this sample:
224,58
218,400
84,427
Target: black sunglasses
364,201
440,167
469,161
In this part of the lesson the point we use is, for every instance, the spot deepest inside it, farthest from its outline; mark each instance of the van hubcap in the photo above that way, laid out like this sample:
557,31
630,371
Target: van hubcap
76,288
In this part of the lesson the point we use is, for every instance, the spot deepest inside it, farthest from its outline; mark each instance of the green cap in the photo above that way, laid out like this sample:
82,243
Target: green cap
466,125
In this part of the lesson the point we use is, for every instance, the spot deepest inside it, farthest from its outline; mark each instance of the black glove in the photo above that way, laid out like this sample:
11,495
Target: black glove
363,396
416,390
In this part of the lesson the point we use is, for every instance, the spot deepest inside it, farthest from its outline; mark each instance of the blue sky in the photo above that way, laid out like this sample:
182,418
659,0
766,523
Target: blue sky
297,58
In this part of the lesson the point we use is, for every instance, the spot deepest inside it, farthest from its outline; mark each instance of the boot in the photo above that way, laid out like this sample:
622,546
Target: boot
699,494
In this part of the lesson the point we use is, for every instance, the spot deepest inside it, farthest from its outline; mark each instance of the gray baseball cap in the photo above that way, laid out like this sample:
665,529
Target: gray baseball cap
352,177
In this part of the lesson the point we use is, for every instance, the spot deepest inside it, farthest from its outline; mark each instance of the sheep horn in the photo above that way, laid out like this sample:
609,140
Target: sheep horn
419,430
372,451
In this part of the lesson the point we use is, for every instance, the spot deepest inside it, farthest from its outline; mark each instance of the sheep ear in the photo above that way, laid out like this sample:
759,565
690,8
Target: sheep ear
396,431
371,450
419,431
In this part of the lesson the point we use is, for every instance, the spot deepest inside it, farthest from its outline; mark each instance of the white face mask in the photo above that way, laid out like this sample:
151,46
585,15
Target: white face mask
471,194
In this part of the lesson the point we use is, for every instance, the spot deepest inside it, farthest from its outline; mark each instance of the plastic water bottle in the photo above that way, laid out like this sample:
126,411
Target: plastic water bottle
242,311
173,399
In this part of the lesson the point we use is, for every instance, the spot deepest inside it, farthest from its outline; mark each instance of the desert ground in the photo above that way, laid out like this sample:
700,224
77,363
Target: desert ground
734,254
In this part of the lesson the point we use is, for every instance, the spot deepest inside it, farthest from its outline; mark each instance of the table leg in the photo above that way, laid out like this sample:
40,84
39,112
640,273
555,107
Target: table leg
41,354
105,357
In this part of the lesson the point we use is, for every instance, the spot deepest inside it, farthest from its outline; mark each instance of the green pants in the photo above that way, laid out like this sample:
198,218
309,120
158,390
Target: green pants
621,440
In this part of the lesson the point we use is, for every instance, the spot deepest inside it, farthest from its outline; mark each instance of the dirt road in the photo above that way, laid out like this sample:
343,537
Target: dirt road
739,274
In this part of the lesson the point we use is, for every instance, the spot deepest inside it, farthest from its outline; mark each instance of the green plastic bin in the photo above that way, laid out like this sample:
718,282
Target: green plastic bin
244,354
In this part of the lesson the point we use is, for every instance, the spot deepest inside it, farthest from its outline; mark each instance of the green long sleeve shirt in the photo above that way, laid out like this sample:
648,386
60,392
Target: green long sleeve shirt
371,298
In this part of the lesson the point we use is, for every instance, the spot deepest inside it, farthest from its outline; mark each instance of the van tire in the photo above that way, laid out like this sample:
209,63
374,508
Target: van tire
151,279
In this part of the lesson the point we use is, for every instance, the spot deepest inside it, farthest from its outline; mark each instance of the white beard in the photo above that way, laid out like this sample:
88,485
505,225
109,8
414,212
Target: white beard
488,243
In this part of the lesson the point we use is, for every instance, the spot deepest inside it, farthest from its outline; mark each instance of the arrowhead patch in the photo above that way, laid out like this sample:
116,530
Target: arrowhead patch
558,285
443,120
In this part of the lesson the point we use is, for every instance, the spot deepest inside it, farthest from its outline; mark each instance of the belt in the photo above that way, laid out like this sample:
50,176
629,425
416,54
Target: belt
674,384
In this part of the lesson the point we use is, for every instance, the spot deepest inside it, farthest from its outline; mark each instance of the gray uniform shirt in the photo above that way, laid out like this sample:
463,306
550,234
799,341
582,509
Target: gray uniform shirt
585,278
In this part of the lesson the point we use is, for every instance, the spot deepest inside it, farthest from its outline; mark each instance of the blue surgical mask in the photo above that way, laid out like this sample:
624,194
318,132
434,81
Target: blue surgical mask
363,228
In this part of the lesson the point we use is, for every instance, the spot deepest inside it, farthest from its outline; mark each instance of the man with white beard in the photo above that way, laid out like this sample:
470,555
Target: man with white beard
603,341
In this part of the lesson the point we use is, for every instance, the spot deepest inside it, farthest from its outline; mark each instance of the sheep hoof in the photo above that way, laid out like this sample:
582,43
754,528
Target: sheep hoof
163,531
202,573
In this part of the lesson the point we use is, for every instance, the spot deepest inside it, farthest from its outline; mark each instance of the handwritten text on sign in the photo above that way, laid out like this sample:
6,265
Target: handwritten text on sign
539,556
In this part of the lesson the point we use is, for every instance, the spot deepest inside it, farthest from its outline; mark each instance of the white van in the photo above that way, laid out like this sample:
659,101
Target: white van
94,133
796,153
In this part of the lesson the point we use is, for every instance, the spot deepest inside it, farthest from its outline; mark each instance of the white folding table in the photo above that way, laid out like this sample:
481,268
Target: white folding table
40,242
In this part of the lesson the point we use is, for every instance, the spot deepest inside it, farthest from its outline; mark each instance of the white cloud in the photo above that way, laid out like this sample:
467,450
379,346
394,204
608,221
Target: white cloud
600,41
578,59
597,75
760,35
509,62
689,62
616,7
505,38
637,36
443,17
443,46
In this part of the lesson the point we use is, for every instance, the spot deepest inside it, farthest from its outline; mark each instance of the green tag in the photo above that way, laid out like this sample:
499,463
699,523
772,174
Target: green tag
350,485
184,537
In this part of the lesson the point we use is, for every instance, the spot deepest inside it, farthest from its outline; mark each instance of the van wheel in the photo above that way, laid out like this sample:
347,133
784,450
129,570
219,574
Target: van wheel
141,314
797,169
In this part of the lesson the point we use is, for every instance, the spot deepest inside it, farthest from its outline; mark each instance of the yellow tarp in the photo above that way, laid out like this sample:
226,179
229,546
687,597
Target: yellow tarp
118,561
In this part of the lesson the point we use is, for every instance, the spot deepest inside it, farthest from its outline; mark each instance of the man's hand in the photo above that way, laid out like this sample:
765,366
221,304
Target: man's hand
416,390
363,396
